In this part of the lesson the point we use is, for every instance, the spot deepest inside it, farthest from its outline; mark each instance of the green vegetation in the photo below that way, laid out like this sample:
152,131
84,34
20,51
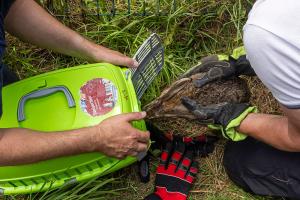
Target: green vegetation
195,29
190,30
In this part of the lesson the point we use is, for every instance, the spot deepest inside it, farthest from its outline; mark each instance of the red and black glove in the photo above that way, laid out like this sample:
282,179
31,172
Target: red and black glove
175,174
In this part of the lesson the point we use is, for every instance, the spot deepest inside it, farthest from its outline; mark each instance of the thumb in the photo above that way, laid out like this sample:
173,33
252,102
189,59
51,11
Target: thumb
132,116
115,57
129,62
199,111
122,60
190,104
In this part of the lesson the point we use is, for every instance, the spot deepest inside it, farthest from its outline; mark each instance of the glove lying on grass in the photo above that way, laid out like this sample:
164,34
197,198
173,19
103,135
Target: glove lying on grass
175,174
225,117
201,145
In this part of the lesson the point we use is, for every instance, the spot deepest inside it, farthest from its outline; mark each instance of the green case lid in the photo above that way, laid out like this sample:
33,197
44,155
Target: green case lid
63,100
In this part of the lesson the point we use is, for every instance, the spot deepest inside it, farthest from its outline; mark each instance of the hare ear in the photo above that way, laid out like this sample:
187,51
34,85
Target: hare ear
202,66
174,88
176,112
155,106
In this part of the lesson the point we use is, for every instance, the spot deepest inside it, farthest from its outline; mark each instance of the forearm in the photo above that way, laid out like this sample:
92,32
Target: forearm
31,23
273,130
20,146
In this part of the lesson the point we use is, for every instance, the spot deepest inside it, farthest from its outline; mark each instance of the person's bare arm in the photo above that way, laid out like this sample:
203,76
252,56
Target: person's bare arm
113,137
31,23
19,146
282,132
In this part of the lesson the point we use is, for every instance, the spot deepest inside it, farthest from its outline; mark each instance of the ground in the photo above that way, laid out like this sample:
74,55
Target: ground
190,30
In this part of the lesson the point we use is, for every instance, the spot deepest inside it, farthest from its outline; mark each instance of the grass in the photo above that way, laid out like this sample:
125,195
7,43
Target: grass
190,30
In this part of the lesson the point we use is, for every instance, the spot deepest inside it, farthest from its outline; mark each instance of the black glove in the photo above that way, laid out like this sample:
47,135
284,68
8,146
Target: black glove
216,69
223,69
225,117
175,174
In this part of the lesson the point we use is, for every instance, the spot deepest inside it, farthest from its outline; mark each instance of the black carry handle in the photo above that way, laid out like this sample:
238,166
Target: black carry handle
43,93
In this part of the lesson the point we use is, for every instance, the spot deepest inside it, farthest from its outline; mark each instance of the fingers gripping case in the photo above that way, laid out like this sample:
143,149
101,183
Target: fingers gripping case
64,100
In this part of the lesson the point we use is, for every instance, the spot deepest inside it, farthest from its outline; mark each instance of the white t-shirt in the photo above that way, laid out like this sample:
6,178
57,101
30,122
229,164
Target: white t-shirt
272,42
281,17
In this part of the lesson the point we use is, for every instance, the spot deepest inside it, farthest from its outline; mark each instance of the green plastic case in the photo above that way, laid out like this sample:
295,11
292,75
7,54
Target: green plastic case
55,101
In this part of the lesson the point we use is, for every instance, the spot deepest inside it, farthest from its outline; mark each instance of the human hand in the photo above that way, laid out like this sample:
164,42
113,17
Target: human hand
116,137
224,116
216,69
103,54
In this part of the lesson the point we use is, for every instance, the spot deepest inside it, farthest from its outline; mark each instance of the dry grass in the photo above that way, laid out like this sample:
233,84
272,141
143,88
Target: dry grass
262,97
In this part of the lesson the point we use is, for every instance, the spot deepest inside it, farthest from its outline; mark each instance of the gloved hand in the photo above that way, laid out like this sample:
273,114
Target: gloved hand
225,117
216,69
223,69
175,174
